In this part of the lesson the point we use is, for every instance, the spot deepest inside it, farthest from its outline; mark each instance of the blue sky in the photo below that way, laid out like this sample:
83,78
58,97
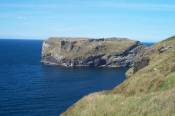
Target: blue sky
144,20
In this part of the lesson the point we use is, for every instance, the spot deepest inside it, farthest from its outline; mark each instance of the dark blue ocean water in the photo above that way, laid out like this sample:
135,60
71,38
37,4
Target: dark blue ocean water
28,88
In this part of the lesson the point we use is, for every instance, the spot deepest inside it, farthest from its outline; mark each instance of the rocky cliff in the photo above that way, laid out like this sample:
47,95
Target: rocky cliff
105,52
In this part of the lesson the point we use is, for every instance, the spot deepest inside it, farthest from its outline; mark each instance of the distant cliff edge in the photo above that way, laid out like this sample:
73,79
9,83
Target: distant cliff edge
105,52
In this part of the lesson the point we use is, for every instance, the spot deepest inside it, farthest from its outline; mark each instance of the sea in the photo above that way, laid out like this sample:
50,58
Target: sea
29,88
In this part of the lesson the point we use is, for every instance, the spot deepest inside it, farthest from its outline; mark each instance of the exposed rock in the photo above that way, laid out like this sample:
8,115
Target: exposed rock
109,52
129,72
140,63
164,48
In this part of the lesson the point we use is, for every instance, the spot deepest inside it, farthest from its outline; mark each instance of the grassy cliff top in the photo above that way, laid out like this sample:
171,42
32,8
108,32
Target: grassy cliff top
85,38
72,48
148,92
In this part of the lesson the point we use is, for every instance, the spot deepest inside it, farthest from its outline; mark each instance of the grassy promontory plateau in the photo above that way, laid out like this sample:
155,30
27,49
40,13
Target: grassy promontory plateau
102,52
148,91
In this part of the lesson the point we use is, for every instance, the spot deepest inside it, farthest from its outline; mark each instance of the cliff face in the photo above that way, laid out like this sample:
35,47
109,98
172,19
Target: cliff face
109,52
149,90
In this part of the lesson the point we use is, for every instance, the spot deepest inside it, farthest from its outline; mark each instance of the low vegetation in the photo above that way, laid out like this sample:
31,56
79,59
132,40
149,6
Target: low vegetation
147,92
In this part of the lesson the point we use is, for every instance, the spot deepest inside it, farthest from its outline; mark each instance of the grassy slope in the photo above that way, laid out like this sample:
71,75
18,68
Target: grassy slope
148,92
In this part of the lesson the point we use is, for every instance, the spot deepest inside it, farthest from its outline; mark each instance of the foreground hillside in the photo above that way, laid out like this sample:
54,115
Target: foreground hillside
107,52
148,91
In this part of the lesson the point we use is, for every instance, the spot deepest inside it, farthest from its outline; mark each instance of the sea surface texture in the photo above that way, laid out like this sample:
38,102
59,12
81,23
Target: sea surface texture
28,88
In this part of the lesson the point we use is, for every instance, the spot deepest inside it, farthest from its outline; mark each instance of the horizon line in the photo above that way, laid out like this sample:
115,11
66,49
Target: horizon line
41,39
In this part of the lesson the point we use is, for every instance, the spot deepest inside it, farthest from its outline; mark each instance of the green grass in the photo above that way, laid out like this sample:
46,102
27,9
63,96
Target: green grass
168,83
97,104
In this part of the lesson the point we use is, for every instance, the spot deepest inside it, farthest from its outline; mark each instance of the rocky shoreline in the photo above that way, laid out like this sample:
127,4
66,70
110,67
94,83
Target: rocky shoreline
78,52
